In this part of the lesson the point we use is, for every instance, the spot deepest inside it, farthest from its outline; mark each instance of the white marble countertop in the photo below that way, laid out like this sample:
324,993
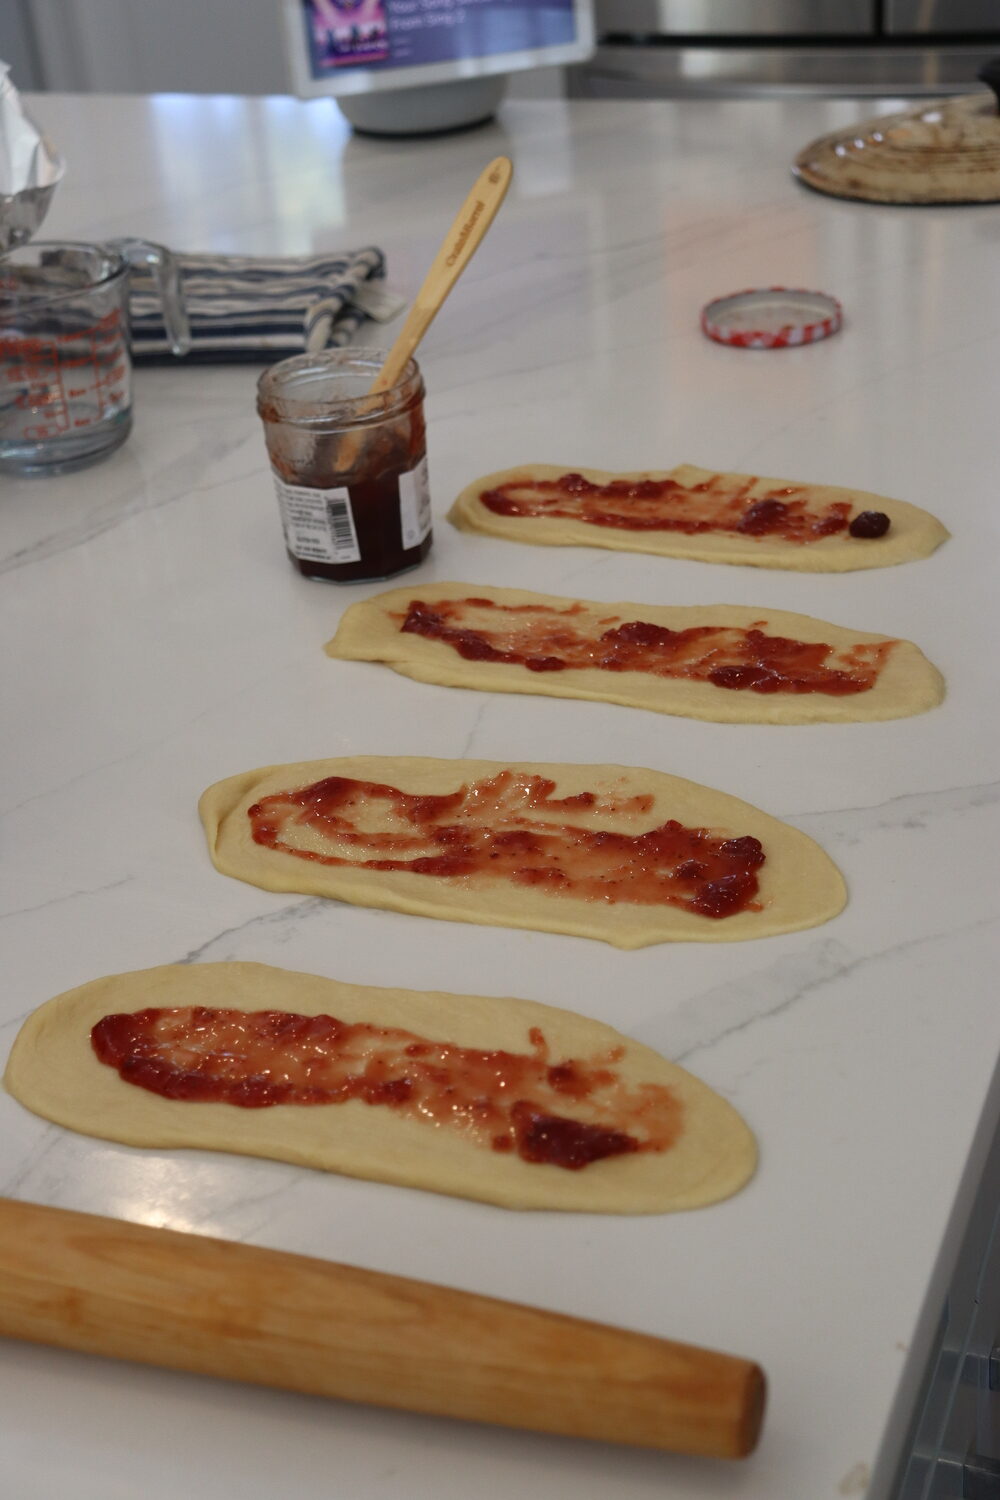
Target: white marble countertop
159,640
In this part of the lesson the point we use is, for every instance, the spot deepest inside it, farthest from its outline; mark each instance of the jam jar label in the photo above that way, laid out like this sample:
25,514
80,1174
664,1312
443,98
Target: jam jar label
318,524
414,505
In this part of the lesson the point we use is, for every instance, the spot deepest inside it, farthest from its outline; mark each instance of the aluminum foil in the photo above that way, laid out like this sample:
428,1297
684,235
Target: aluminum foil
30,168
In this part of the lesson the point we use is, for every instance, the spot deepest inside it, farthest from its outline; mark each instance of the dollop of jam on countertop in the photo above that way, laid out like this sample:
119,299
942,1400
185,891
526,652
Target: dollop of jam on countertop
546,639
510,827
507,1101
795,512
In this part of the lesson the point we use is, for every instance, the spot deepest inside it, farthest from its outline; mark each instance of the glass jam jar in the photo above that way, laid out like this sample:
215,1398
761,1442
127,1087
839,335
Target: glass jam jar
350,469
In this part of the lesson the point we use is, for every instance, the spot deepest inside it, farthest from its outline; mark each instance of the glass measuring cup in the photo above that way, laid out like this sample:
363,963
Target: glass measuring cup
65,371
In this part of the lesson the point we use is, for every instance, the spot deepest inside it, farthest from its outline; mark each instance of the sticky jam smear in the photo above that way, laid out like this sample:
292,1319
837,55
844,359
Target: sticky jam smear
510,827
545,639
795,513
507,1101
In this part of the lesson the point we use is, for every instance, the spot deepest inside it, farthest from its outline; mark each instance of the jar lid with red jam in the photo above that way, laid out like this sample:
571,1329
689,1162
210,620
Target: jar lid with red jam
774,317
349,467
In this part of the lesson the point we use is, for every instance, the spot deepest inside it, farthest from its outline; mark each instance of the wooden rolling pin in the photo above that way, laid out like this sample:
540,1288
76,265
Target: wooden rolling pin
191,1303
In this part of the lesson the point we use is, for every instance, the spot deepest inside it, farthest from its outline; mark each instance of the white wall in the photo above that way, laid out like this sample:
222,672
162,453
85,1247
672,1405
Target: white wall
17,44
154,46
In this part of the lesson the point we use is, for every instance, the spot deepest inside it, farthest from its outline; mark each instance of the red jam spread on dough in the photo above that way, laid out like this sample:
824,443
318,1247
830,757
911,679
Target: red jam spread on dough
509,1101
544,639
795,513
511,827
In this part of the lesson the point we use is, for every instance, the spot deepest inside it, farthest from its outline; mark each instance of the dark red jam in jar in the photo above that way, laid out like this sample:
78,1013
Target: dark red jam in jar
350,469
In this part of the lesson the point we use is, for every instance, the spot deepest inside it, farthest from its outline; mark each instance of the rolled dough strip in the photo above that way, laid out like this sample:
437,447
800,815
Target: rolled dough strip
913,533
799,885
54,1072
371,630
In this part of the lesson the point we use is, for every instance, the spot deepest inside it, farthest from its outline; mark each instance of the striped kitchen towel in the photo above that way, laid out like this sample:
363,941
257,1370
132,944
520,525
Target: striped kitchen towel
244,307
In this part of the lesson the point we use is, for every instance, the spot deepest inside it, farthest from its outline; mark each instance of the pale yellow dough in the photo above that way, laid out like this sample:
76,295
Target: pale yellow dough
54,1072
370,631
799,885
914,533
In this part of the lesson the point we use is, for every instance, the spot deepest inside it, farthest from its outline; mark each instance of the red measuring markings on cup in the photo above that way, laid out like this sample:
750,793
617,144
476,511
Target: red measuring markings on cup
40,390
54,373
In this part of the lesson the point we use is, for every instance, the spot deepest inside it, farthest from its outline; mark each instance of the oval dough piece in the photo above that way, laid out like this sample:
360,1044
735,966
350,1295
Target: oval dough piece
370,631
914,533
800,886
54,1072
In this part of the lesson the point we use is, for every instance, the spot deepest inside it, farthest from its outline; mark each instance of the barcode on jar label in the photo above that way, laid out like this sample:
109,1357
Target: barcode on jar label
318,524
414,505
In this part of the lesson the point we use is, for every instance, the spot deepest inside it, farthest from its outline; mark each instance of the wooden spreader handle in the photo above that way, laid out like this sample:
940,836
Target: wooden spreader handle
191,1303
457,249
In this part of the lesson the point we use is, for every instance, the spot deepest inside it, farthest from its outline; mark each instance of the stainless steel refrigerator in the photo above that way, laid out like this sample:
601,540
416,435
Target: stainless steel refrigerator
650,48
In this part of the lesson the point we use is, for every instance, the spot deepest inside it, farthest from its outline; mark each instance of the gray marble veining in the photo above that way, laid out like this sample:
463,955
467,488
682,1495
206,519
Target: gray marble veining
159,641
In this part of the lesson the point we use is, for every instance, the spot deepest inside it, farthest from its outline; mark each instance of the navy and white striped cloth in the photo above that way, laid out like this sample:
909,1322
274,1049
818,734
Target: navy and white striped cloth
258,307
